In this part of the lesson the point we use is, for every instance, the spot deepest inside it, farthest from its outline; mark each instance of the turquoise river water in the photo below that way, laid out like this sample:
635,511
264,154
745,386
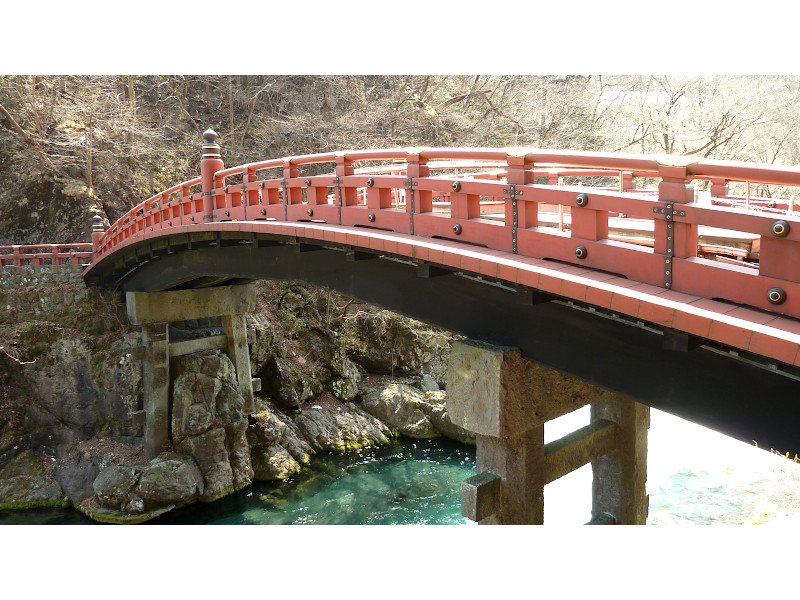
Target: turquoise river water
695,476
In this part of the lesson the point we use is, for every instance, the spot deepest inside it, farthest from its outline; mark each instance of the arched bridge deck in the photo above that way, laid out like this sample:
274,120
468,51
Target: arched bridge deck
467,247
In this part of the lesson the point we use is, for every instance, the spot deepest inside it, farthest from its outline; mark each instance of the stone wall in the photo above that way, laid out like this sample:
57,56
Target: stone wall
46,292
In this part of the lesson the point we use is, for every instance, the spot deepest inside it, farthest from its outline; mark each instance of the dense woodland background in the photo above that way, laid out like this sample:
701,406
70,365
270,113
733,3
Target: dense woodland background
73,146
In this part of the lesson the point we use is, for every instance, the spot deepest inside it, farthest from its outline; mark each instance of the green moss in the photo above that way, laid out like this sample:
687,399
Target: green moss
34,505
118,517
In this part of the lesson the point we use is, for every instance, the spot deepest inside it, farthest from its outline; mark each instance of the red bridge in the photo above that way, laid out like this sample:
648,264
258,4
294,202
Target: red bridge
609,267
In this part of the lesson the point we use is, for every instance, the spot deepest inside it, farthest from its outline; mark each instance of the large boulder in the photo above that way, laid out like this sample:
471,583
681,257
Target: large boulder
208,423
282,442
113,486
412,412
76,474
278,448
274,463
132,493
285,382
340,427
209,452
170,480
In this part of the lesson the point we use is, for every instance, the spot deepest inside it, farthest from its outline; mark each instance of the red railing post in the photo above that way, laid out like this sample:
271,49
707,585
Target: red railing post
626,182
674,239
210,164
344,167
520,172
18,260
291,195
250,195
719,187
185,204
417,166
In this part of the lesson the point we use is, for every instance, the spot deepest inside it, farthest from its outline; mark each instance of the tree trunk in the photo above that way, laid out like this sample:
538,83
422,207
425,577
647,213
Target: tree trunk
132,93
89,182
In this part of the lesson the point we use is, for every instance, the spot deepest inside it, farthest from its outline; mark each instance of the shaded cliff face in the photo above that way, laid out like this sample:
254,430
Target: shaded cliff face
45,210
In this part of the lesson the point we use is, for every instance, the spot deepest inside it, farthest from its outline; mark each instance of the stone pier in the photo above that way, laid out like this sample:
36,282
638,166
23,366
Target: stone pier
154,311
506,401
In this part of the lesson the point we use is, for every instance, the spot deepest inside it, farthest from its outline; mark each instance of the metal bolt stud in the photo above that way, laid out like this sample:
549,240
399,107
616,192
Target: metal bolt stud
582,200
780,228
456,186
776,295
581,252
310,212
308,181
371,217
370,181
457,229
263,211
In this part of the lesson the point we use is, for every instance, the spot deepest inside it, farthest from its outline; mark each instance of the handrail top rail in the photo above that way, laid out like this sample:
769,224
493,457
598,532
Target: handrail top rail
692,168
547,158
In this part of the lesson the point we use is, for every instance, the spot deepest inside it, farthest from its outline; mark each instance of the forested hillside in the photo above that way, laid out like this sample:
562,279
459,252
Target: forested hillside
73,146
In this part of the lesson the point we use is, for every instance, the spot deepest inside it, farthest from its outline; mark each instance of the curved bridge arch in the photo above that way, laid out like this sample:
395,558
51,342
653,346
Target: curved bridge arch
618,320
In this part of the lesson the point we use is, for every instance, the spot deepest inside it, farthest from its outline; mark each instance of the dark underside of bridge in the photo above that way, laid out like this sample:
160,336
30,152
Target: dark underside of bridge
744,397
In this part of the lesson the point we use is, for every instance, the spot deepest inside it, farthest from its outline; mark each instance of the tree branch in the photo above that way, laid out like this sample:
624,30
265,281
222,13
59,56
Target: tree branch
31,141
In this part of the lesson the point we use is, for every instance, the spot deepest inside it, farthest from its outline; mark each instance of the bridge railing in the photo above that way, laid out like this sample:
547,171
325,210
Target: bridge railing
398,196
45,254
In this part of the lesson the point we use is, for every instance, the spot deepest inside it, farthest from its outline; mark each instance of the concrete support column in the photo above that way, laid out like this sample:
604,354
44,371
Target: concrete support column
236,331
155,380
506,400
518,460
154,311
619,478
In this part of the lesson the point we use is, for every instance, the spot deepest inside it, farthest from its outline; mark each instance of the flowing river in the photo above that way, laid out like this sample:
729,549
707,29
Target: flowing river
695,476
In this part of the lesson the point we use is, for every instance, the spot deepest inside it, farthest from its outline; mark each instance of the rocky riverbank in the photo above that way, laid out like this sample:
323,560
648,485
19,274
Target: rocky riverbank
336,375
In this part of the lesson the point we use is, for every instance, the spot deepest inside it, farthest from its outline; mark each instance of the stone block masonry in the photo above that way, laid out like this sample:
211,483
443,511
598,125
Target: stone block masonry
506,401
44,292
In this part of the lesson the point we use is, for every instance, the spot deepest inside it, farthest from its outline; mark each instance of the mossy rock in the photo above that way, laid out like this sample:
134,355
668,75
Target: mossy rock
119,517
